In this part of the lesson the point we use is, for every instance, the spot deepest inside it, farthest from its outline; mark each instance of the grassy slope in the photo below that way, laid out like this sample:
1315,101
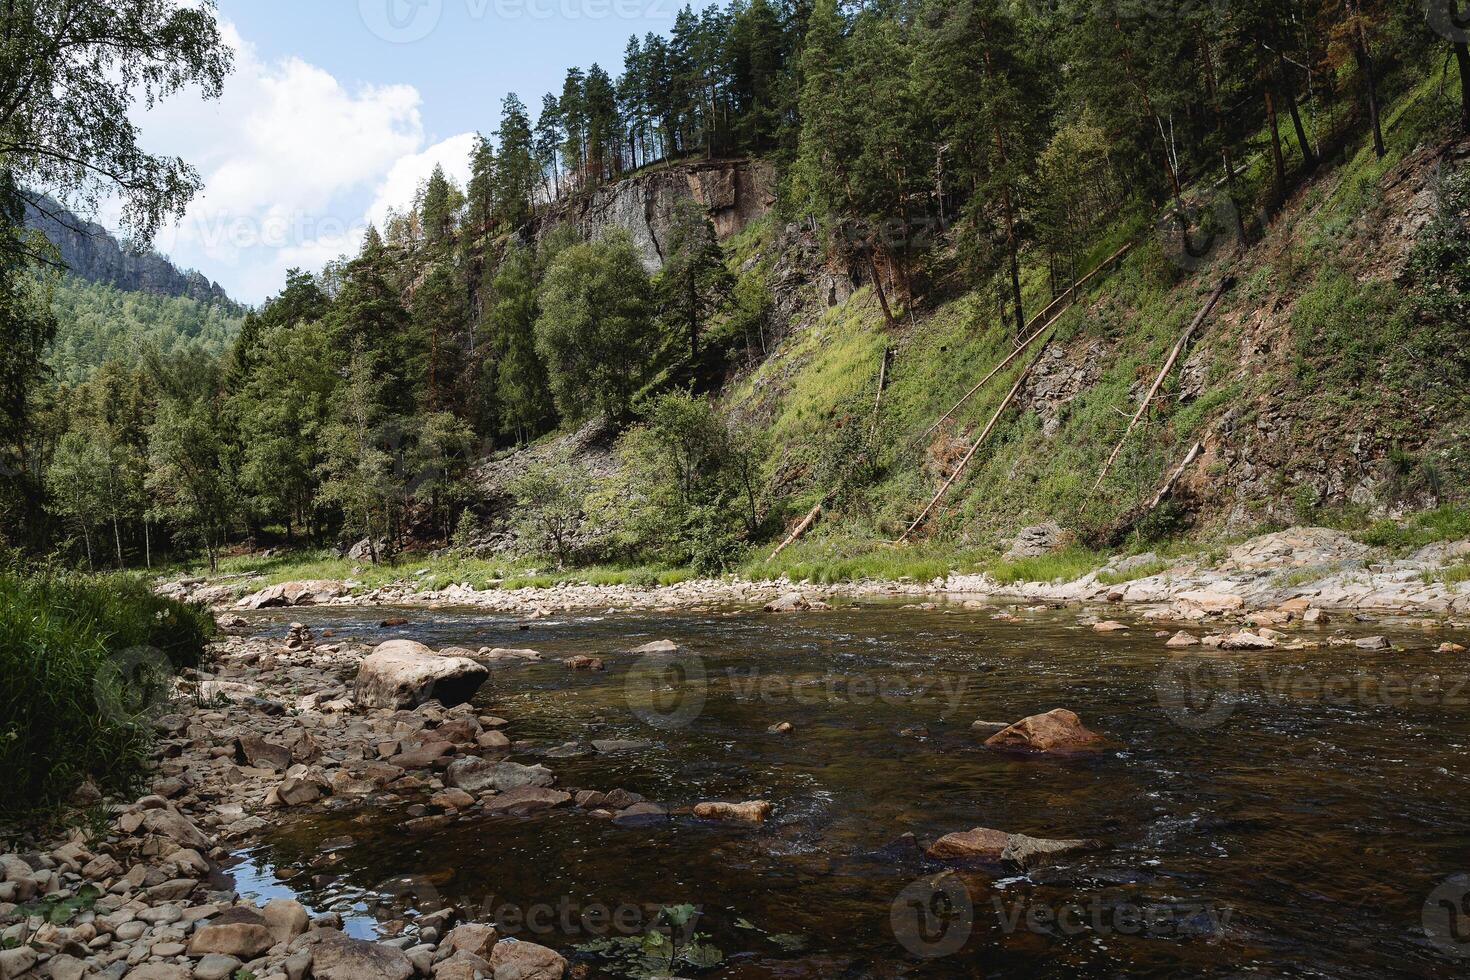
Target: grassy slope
823,379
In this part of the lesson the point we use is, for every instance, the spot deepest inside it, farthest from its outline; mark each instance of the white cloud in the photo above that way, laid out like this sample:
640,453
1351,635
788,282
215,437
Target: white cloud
294,164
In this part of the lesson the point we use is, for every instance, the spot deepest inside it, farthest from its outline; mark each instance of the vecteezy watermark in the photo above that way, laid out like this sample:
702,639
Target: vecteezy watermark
933,917
408,21
1450,19
667,691
1446,916
1192,234
133,685
1200,693
854,689
1197,692
401,21
1102,916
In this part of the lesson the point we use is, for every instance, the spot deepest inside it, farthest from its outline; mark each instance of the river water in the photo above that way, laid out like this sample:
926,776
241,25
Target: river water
1266,814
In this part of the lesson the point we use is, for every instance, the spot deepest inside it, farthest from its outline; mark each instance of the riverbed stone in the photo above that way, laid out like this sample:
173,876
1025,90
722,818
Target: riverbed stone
476,775
216,967
475,938
1029,852
751,812
240,931
526,799
406,674
1056,731
788,603
981,843
286,919
252,750
516,960
336,957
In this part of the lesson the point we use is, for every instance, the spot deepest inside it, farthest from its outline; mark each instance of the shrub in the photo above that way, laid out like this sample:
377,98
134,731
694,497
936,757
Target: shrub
78,659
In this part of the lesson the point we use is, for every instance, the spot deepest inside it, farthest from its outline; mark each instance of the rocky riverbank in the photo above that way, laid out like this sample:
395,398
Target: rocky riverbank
1327,568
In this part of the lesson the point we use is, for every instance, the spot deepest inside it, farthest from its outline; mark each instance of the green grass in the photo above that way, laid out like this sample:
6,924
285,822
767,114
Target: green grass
83,659
834,559
1447,523
1065,565
1135,573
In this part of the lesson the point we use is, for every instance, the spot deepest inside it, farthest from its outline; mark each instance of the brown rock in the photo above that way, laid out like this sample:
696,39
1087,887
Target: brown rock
1056,731
1109,626
286,919
526,799
240,931
514,960
1182,639
1448,647
583,662
473,938
982,843
337,957
252,750
749,812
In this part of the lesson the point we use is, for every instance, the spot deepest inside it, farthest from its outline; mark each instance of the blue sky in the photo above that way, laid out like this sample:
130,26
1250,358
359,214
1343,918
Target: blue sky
338,108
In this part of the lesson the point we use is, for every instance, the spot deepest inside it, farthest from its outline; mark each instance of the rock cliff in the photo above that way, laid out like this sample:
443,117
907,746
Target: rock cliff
736,193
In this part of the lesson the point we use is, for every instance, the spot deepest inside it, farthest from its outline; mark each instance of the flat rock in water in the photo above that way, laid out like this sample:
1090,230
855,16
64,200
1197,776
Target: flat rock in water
982,843
641,815
475,775
657,646
1028,852
1057,731
406,674
606,746
791,602
750,812
1182,639
526,799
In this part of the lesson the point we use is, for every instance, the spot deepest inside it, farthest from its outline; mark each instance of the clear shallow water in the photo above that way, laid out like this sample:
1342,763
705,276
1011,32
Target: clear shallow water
1288,833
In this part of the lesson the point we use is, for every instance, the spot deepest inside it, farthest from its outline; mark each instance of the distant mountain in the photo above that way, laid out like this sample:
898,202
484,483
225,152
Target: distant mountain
93,254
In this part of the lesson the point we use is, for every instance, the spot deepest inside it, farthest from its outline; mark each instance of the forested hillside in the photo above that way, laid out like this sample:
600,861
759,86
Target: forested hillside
754,270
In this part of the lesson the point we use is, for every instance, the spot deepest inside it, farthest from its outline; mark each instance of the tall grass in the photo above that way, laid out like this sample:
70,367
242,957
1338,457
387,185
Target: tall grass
79,656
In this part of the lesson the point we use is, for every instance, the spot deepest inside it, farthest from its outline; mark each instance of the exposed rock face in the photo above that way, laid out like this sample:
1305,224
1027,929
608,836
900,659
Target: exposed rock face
1056,731
405,674
734,193
1040,539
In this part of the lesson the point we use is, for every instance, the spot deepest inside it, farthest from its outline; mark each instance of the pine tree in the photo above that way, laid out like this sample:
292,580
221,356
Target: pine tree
516,174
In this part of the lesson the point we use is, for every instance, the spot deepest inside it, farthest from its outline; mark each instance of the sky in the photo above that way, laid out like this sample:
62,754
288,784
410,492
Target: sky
337,109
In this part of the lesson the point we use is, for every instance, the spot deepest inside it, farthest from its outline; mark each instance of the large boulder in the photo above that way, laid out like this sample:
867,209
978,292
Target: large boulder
405,674
241,932
311,593
1058,731
513,960
476,775
337,957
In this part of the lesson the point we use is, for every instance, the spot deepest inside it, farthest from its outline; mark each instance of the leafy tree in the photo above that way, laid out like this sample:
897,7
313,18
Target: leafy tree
358,446
78,485
188,478
595,330
551,497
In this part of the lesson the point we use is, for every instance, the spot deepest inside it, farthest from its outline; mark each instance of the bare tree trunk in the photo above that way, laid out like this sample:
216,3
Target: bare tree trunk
1278,193
1309,156
1370,83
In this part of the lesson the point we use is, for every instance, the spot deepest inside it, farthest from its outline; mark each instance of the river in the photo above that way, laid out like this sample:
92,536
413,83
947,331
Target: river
1275,813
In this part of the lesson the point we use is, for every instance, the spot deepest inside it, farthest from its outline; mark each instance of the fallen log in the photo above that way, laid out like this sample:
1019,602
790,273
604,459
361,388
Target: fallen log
1179,346
1025,342
806,523
984,434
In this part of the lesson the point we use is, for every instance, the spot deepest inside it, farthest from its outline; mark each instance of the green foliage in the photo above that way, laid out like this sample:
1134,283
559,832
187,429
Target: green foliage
596,331
551,496
667,950
97,323
691,485
70,652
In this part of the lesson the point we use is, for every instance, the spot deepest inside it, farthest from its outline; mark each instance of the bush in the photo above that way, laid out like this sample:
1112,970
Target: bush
78,659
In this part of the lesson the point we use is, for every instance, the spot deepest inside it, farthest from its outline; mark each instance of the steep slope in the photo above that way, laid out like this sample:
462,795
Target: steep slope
115,304
1322,386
